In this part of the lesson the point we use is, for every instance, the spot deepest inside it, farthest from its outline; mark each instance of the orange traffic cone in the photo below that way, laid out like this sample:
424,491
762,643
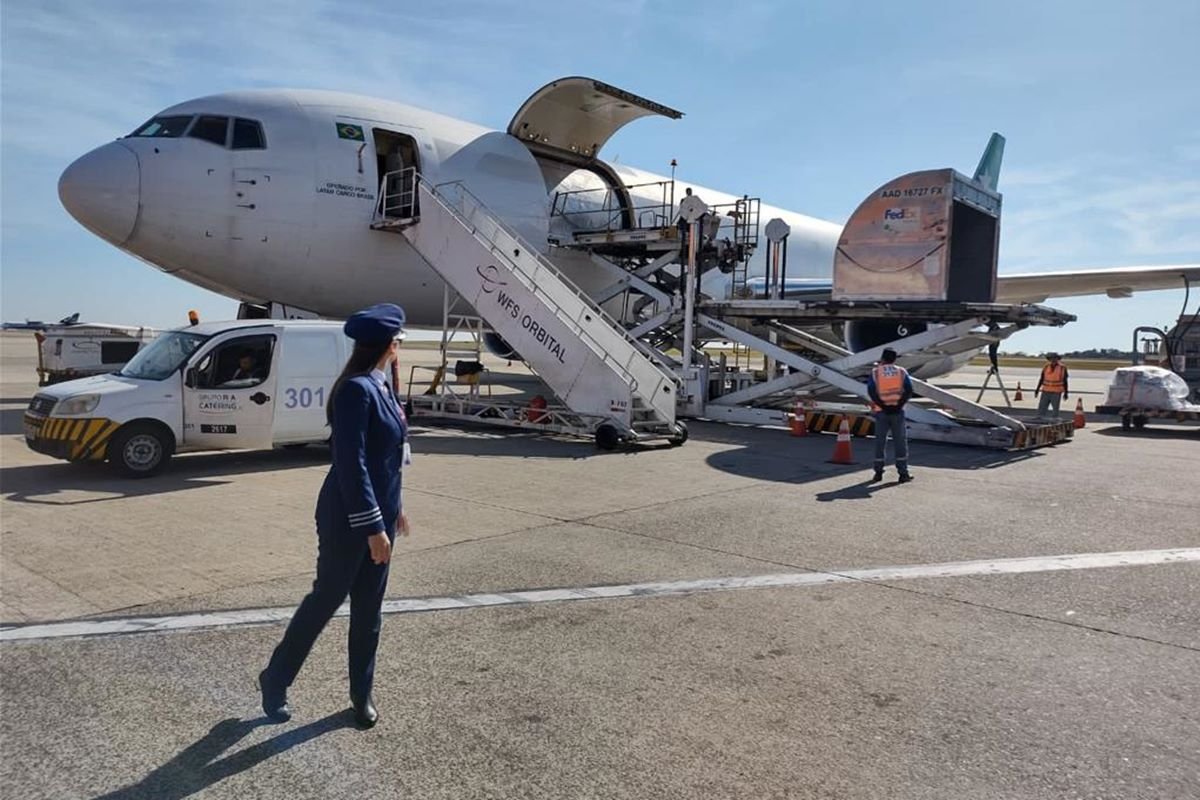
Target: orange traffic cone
1080,419
799,421
841,450
1018,396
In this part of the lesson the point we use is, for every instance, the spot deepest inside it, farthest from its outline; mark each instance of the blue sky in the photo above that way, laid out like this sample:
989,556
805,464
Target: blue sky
809,105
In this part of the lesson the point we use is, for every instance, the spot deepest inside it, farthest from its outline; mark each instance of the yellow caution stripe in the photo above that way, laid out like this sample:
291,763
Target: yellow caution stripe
860,425
88,437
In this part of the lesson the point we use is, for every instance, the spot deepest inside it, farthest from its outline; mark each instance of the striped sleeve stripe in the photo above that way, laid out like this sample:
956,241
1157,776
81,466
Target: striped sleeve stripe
370,521
364,514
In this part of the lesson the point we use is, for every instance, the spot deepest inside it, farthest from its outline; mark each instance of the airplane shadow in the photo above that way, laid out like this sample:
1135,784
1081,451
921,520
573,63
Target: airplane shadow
773,455
194,769
40,483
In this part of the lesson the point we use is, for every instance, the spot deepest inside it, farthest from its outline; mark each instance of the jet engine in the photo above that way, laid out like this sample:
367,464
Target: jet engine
498,347
864,334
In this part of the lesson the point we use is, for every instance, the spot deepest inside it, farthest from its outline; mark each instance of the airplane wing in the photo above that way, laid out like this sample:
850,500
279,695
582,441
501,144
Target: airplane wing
1037,287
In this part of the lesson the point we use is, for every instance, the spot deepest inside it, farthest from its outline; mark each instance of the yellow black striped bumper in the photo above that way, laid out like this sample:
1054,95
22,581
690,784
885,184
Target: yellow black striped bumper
70,439
860,425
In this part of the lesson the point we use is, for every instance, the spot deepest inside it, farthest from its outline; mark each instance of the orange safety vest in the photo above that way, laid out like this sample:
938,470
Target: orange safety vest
1054,378
889,383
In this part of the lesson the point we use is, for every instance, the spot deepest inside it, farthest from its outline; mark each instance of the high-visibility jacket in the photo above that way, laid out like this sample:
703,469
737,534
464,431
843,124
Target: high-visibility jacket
1054,378
889,383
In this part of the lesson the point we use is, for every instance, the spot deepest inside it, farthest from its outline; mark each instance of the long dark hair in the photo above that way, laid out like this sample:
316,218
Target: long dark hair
362,360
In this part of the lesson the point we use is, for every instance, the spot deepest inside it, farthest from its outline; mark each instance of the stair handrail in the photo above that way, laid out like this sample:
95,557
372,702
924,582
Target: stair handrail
467,218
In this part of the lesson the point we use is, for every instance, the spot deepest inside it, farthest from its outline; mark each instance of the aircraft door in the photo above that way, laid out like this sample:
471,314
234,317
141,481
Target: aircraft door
229,394
397,162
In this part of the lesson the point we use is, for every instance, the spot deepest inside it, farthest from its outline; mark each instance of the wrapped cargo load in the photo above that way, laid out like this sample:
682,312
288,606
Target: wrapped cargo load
1147,387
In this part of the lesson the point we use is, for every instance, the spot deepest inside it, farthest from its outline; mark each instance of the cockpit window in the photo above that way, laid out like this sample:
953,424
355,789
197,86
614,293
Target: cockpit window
247,135
165,127
210,129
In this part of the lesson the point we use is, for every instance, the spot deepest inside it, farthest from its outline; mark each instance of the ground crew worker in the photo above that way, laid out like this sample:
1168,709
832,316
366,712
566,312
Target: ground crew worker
358,515
1052,385
890,389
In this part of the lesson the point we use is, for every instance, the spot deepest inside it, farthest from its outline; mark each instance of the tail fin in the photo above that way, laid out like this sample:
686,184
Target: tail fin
987,173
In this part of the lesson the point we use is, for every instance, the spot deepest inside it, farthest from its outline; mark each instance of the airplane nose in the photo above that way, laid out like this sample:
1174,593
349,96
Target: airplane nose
101,191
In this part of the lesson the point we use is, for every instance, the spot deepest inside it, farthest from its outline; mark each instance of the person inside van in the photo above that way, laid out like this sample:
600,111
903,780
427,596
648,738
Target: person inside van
248,371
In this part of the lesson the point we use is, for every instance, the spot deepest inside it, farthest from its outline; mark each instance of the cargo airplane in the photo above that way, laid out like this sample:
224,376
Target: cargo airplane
268,197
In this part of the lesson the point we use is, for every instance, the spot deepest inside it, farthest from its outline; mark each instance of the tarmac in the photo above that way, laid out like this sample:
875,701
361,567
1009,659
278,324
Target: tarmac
733,618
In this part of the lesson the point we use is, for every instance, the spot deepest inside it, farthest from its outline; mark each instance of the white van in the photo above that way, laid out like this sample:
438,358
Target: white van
250,384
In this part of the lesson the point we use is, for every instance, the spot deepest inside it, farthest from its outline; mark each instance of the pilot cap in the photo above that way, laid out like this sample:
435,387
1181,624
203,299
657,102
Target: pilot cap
376,325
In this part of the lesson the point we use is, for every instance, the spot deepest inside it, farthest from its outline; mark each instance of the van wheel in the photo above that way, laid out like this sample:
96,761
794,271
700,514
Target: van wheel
140,450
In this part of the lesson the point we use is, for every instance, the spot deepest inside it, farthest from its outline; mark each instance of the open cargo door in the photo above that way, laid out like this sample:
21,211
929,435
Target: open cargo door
573,118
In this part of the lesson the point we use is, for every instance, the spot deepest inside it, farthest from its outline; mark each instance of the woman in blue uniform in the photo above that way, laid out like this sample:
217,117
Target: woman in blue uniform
358,515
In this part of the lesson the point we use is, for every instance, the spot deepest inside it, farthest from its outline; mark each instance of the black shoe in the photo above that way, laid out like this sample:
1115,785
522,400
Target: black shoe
274,699
365,713
906,478
877,477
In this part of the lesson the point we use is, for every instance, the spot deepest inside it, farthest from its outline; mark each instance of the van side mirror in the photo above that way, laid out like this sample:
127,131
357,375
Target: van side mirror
189,378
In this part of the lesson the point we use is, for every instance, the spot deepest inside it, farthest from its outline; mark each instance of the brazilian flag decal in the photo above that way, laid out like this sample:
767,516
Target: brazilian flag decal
352,132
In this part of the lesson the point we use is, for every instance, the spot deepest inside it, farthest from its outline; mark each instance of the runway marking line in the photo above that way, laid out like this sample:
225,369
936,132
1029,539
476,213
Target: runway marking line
416,605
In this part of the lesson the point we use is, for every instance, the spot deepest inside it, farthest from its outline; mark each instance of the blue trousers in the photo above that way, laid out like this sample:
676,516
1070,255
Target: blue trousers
344,567
894,424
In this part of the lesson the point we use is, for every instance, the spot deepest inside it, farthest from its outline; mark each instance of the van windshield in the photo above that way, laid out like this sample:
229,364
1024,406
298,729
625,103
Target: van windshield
163,356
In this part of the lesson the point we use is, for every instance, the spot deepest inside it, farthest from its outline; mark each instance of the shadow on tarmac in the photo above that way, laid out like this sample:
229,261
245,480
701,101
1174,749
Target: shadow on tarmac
1163,431
12,421
772,455
481,440
193,770
863,490
40,483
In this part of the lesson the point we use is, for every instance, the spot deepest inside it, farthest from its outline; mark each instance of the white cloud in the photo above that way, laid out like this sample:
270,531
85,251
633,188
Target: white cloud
1084,211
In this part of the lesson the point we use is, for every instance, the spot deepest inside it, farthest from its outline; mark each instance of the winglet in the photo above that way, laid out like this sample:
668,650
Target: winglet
987,174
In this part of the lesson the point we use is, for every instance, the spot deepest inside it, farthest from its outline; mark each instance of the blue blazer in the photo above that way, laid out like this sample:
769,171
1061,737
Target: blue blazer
361,493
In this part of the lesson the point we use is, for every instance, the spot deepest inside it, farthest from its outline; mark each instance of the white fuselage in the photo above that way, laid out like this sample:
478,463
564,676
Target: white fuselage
290,223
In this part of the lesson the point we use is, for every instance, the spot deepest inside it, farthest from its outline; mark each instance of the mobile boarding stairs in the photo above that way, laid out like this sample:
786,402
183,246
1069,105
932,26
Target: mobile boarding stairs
611,385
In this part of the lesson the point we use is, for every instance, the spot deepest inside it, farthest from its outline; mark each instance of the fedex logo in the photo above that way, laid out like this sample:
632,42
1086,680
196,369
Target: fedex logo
895,213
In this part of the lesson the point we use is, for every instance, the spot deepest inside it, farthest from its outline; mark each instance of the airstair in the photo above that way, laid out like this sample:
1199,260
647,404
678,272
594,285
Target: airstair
608,381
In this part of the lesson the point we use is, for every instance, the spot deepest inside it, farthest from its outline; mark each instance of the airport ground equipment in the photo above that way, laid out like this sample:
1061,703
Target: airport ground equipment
187,391
797,362
1134,417
1145,392
629,356
607,379
80,349
994,372
1177,349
